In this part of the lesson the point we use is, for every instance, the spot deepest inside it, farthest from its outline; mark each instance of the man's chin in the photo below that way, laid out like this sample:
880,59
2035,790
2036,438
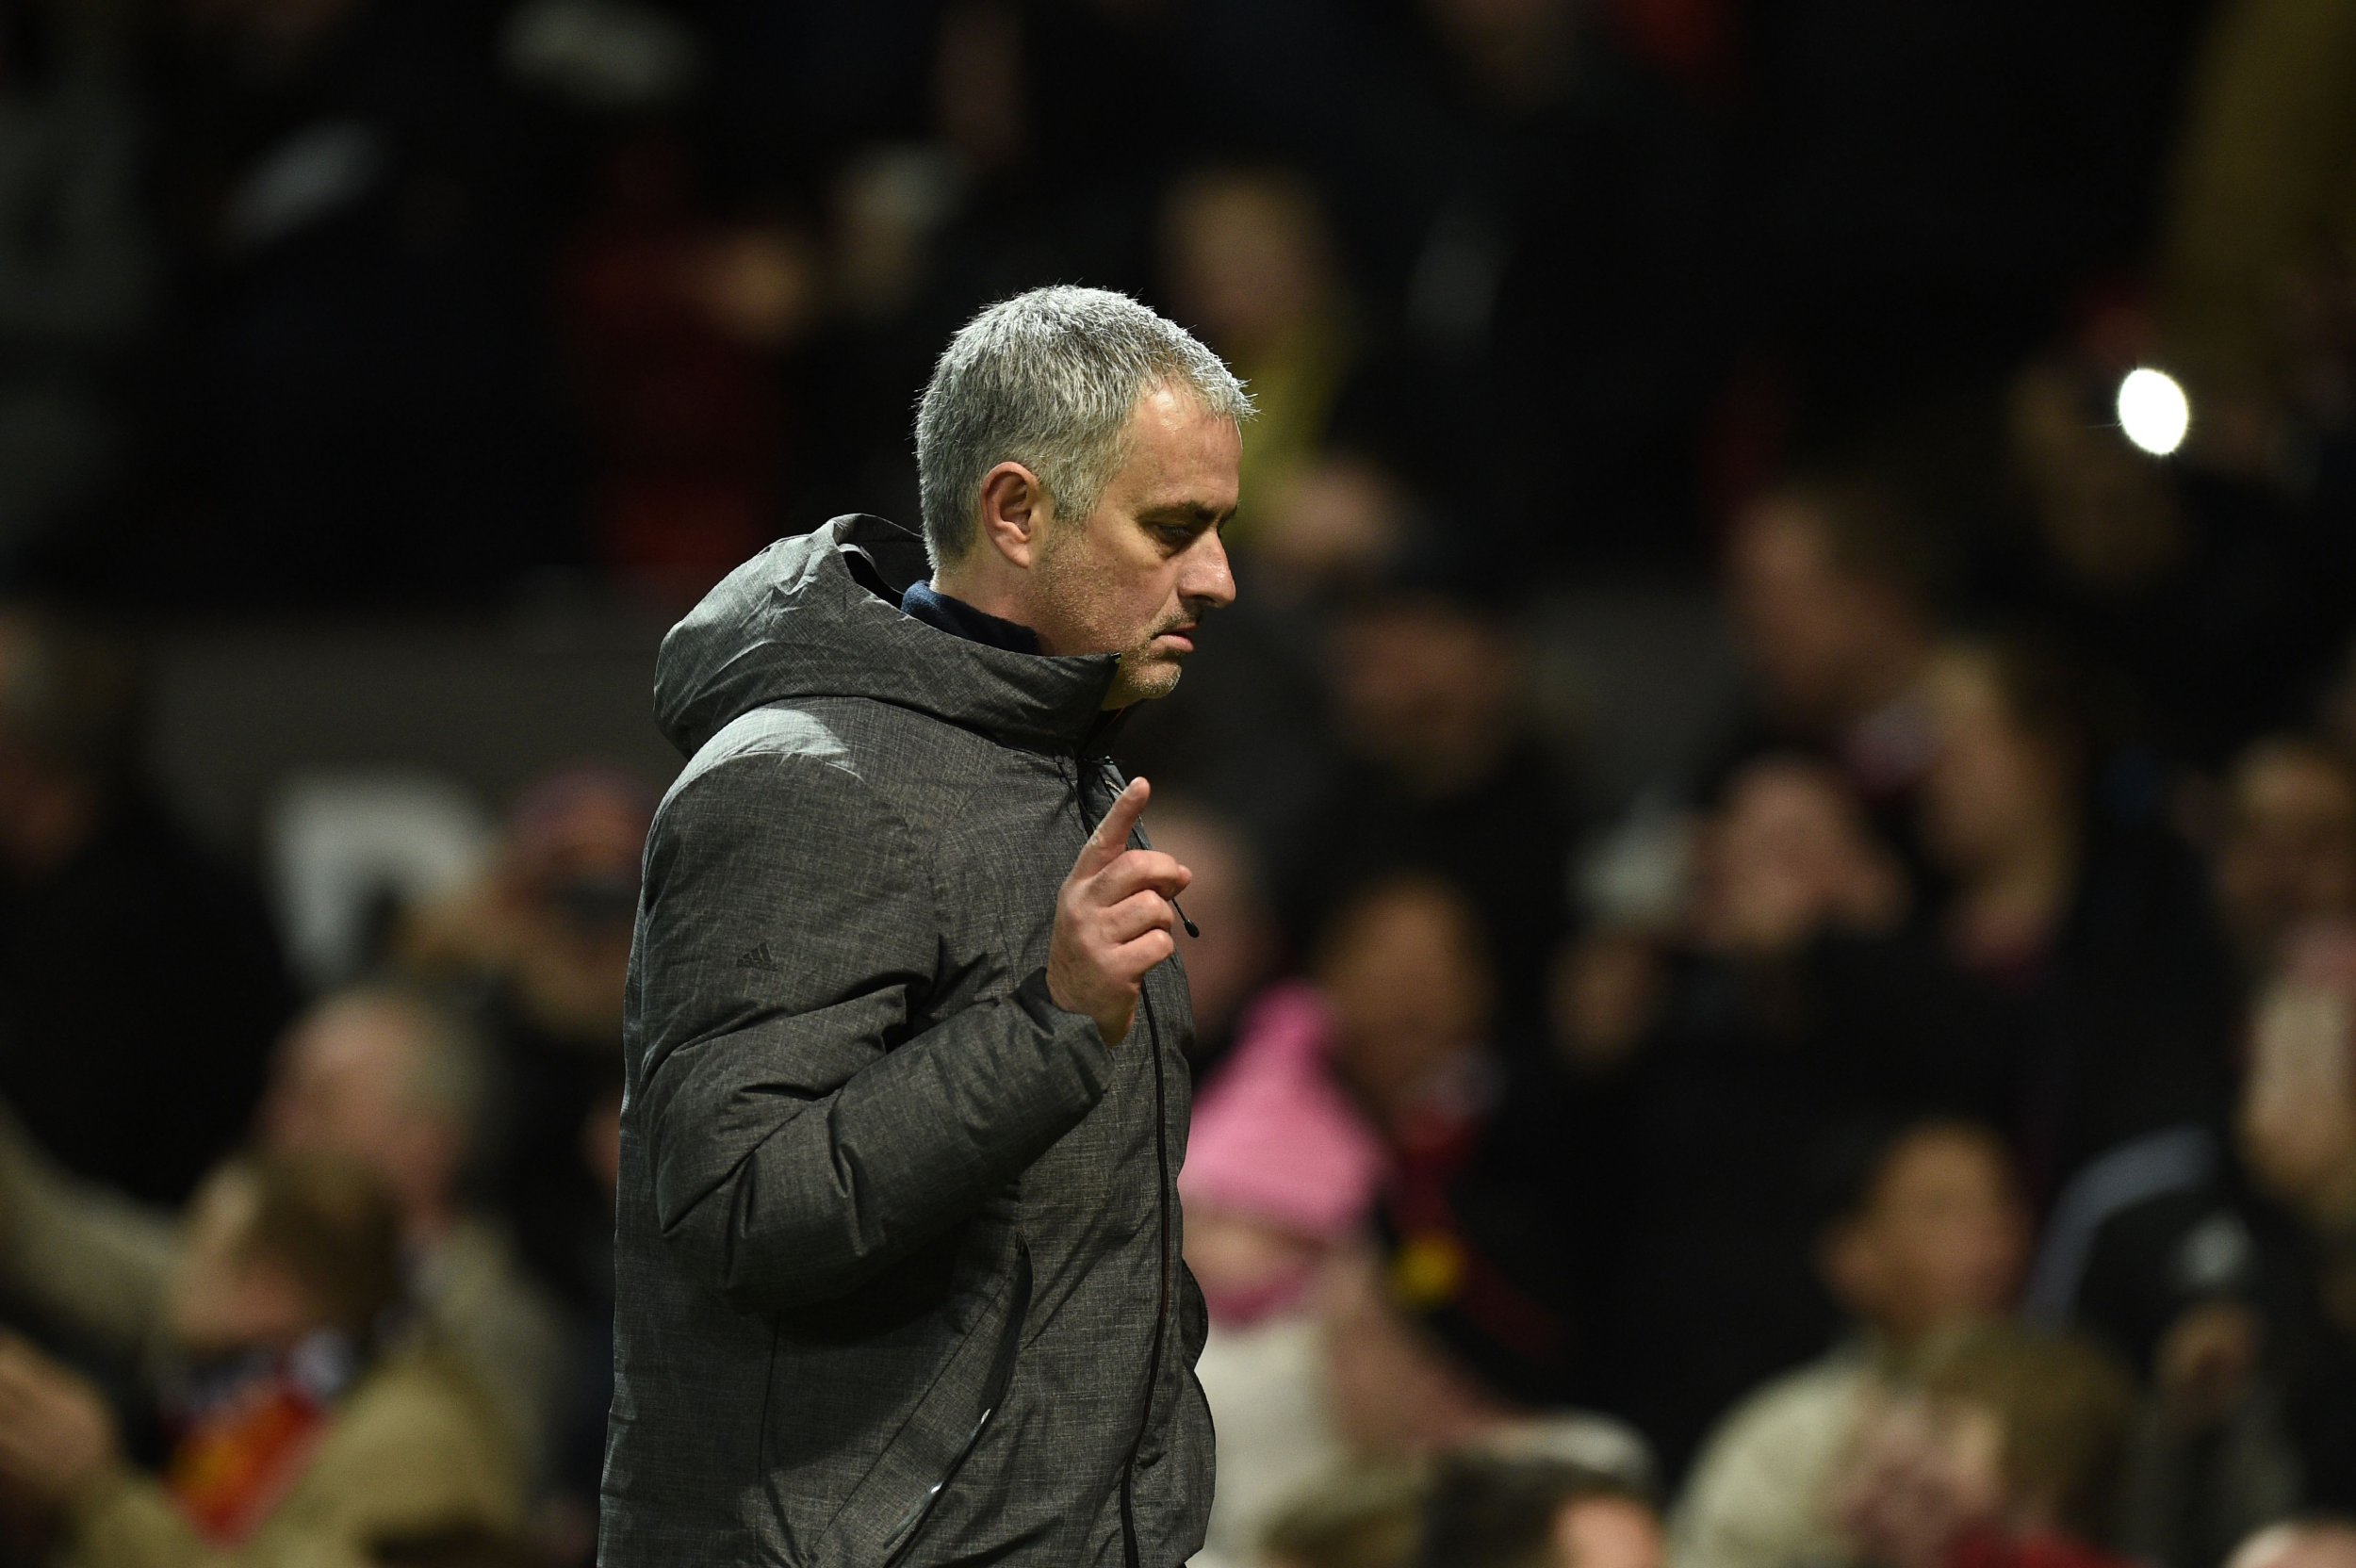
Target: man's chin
1144,675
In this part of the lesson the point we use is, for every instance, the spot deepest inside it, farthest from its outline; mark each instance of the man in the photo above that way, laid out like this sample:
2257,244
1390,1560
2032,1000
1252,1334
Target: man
2286,856
1833,585
386,1075
1928,1231
128,955
376,1074
897,1257
300,1435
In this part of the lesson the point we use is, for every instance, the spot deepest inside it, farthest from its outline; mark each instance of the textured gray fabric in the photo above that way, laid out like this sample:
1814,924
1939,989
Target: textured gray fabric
887,1215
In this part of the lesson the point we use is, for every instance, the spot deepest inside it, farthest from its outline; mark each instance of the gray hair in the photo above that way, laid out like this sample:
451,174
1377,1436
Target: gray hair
1049,379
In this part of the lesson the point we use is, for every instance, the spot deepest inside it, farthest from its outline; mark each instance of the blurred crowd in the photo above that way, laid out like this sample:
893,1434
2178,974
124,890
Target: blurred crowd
1906,1121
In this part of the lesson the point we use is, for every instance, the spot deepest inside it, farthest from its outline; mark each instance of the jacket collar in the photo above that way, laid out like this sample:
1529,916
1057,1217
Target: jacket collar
820,615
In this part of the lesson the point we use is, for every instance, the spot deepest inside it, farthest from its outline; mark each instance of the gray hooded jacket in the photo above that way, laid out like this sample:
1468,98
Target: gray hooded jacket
897,1261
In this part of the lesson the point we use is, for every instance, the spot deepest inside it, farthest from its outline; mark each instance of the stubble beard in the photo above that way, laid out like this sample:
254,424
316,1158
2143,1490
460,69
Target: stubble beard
1074,592
1144,673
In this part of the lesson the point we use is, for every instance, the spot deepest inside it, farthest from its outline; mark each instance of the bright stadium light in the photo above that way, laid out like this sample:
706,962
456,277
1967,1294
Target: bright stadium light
2153,412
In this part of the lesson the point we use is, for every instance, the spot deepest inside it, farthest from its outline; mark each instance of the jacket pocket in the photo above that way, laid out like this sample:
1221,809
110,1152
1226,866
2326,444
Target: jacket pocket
885,1514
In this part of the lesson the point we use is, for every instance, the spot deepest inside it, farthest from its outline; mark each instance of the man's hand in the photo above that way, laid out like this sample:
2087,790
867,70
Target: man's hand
56,1432
1113,920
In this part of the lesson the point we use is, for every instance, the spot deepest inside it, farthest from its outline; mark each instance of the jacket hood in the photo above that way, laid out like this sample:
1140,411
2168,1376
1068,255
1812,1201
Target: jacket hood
819,616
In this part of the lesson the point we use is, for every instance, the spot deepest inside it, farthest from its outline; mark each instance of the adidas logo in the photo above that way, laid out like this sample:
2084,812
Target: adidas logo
758,956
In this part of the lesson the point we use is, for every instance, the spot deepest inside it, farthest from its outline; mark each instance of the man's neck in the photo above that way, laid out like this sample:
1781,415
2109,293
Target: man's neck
945,610
985,592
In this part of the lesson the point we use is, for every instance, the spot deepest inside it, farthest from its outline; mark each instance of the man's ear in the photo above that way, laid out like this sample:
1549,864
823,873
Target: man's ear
1015,512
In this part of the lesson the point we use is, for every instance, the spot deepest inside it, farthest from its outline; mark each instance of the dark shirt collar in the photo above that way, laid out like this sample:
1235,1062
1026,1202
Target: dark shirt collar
960,619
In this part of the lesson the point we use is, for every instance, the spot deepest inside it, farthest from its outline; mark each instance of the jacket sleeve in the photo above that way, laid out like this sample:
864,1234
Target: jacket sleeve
98,1262
798,1136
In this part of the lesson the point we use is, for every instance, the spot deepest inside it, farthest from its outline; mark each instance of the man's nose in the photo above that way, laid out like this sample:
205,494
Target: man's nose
1207,579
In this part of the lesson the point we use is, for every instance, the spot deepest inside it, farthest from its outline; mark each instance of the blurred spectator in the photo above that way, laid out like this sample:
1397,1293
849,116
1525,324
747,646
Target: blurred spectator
545,940
2007,1456
377,1076
78,263
2224,1280
676,323
1532,207
1929,1231
2285,856
1021,182
1249,257
1374,1077
1443,1341
1487,1511
1281,1177
1790,1001
1444,771
1466,1323
2092,939
1787,858
1787,861
1834,586
141,982
2254,247
1282,1161
1406,972
2298,1129
2108,518
300,1437
1342,517
385,1076
2210,606
1251,266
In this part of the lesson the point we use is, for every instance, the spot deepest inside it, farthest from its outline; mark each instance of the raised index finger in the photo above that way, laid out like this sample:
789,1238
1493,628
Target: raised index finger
1112,835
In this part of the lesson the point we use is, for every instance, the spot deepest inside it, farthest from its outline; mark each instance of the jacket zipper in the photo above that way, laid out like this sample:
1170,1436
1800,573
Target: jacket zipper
1161,1308
1161,1165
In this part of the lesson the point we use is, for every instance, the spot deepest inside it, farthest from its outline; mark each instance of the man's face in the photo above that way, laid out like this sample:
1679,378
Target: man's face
1801,618
1426,689
1136,575
342,1084
1943,1236
1410,987
2288,857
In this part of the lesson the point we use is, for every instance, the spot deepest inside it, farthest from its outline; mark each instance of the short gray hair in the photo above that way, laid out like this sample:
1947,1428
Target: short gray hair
1049,379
